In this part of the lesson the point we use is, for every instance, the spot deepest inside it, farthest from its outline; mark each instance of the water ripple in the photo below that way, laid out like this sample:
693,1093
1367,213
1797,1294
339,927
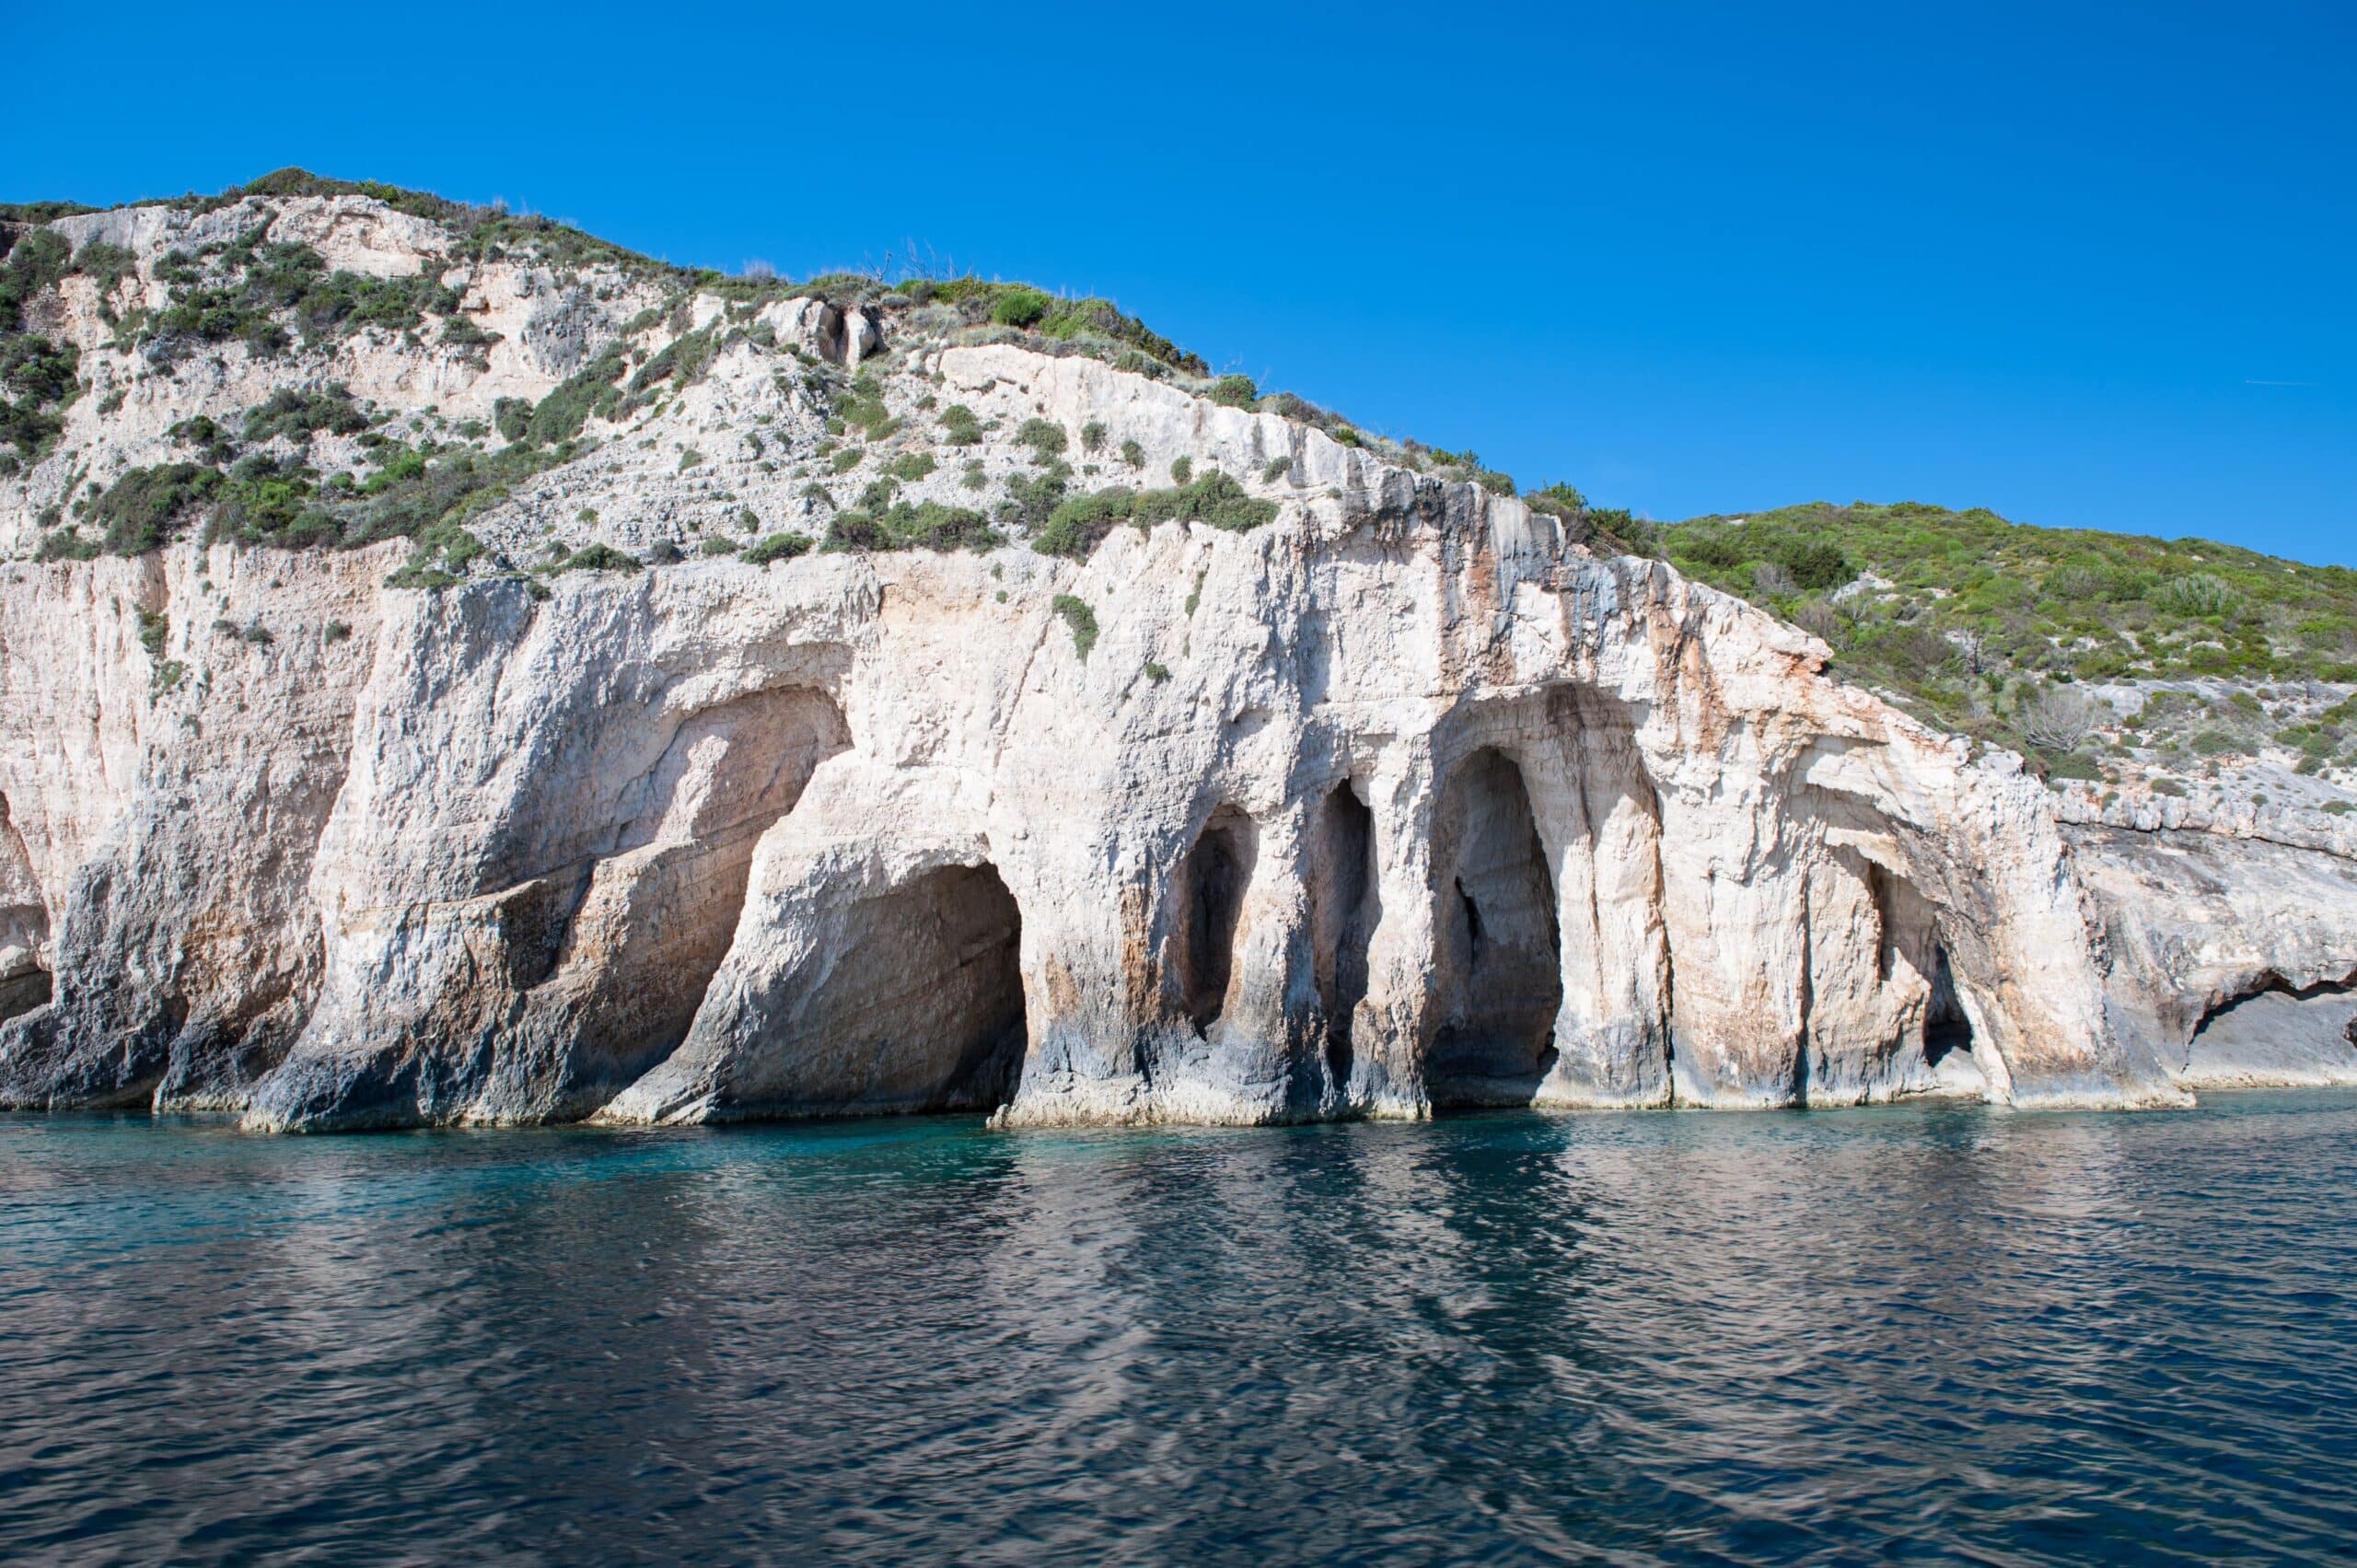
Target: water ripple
1904,1333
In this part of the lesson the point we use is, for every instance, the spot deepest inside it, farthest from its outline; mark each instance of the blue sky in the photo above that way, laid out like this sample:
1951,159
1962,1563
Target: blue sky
2090,265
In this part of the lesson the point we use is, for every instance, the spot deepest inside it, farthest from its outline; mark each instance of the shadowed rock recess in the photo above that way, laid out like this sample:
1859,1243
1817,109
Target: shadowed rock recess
455,671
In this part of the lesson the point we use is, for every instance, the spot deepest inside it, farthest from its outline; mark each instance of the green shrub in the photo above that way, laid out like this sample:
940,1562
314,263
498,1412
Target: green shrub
683,361
719,546
2196,593
1045,438
1181,469
141,510
299,416
1031,499
1092,435
1076,526
689,458
1020,308
1493,482
38,370
560,415
1081,619
440,559
460,332
777,547
1234,391
845,461
35,262
1133,454
2169,787
910,466
958,425
155,630
1277,469
601,558
512,417
1156,673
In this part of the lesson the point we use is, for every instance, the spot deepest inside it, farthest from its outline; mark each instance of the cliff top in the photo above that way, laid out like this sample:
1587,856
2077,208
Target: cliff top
307,362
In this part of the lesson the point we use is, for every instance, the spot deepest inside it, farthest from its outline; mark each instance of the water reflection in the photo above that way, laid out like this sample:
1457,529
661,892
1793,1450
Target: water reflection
1506,1338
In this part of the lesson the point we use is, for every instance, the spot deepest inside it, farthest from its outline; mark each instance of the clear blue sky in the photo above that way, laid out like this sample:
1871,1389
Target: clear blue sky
2088,264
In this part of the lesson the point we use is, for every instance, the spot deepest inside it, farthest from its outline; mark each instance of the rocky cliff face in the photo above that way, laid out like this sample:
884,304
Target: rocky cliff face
1316,786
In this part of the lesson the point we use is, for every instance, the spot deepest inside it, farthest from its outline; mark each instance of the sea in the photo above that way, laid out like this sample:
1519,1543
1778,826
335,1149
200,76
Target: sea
1910,1333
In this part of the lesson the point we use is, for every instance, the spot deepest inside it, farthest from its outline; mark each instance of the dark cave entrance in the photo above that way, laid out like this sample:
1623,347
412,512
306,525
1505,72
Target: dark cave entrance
935,998
1343,909
1209,889
1498,965
1946,1027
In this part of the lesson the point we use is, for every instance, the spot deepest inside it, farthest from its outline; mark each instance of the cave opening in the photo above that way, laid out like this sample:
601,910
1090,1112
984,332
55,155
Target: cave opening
1209,890
1946,1027
1343,909
926,1005
1498,967
23,924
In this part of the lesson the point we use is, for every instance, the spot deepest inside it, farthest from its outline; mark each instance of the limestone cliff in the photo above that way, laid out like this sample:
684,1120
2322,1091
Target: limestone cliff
475,735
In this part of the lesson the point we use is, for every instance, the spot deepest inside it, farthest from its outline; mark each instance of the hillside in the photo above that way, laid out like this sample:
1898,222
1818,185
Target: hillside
2103,657
312,363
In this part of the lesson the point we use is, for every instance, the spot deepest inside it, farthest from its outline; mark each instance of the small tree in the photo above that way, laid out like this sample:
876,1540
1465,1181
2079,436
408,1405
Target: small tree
2057,718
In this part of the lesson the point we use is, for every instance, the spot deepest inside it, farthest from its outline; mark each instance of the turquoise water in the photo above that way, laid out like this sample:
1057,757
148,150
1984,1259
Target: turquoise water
1902,1333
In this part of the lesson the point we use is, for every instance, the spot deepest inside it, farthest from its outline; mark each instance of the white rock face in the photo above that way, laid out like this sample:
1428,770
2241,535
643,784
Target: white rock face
1400,801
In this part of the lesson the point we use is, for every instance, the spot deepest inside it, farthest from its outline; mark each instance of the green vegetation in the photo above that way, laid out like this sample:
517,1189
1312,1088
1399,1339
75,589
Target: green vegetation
1081,619
864,409
901,526
36,261
776,547
440,559
240,293
1982,614
1079,524
299,416
599,558
560,415
138,511
1020,308
35,376
1234,391
959,428
1045,438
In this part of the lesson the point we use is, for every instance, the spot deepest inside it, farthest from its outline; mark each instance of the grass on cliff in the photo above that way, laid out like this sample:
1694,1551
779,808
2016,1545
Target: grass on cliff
1980,613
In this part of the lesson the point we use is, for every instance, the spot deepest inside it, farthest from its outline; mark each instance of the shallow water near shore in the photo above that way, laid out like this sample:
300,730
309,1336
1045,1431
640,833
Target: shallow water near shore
1906,1332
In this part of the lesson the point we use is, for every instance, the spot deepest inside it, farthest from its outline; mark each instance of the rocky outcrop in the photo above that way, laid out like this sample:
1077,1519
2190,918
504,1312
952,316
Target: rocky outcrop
2234,959
1431,808
1383,795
